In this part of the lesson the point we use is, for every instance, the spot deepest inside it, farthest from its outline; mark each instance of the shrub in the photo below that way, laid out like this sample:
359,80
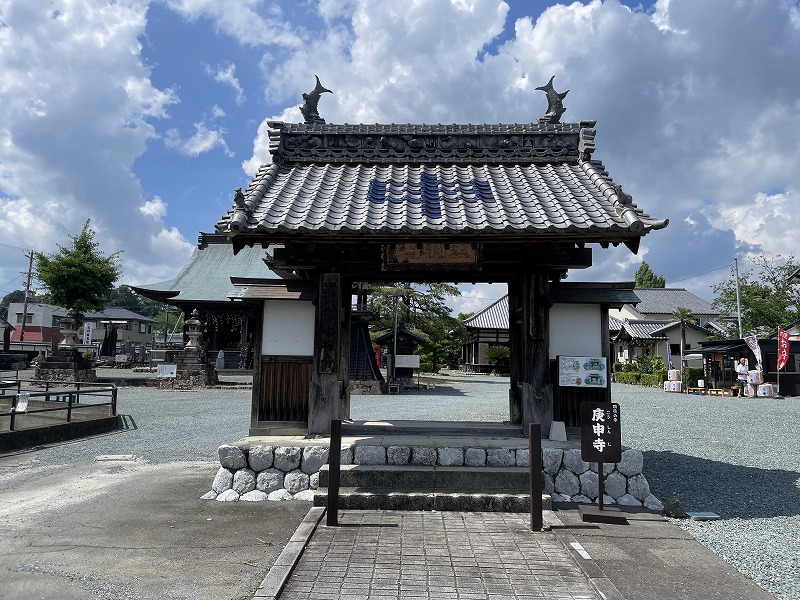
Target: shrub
632,378
618,367
499,357
649,364
692,375
653,380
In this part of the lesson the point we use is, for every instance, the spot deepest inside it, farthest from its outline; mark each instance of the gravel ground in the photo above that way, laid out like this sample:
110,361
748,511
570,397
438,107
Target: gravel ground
737,457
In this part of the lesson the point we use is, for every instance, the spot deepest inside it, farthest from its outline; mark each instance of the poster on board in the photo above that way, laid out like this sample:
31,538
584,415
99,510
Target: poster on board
582,371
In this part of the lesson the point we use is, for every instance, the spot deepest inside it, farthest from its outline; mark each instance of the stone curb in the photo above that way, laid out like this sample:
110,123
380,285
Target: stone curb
592,571
278,575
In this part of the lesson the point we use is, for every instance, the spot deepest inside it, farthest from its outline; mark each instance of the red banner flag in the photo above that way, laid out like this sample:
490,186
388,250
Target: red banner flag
783,348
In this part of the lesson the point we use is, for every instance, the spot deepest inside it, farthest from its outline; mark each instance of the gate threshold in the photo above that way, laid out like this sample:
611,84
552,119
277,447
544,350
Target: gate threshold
446,428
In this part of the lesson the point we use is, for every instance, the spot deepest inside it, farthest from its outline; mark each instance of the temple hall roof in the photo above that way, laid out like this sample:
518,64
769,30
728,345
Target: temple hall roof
534,181
207,275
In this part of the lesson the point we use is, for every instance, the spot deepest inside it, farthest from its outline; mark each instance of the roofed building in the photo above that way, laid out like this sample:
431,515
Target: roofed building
343,204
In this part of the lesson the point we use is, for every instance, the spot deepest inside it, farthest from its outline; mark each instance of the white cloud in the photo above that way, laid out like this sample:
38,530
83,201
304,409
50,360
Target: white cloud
252,22
155,208
202,140
227,76
217,112
76,111
476,297
767,222
696,102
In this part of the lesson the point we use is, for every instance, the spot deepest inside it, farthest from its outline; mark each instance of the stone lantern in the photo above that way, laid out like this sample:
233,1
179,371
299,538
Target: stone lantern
194,329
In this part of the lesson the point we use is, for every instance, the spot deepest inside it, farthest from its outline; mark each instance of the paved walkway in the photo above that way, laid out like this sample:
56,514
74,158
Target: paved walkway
441,555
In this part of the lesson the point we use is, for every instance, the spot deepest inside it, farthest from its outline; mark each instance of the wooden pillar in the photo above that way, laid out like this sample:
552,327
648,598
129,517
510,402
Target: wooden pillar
529,327
258,324
515,342
329,396
608,354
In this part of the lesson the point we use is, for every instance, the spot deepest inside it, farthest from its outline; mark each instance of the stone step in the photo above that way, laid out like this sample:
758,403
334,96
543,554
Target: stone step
413,477
361,428
428,499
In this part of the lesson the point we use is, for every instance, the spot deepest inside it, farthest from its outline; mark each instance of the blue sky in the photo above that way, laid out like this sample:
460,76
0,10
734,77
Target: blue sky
145,115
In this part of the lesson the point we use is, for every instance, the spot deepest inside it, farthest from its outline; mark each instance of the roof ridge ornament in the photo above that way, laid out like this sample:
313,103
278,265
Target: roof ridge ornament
555,106
309,108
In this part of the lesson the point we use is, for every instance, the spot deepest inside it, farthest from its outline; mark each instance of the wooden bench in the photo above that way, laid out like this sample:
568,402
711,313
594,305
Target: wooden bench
696,390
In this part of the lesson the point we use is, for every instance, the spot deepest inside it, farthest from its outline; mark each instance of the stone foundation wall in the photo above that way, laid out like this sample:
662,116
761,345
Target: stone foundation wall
360,387
285,472
83,375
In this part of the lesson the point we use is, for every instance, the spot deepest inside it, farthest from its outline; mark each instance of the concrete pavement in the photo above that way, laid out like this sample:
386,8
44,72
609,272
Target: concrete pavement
495,556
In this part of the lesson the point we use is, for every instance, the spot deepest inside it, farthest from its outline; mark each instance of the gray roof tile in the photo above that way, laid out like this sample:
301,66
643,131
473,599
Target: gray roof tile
552,191
668,300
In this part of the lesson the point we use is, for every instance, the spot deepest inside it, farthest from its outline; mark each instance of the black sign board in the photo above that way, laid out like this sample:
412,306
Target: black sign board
601,441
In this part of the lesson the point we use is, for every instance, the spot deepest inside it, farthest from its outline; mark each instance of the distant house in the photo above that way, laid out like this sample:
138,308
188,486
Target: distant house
577,308
42,324
650,327
657,338
487,327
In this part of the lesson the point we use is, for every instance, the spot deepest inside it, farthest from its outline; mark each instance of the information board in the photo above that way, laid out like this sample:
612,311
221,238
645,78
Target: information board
167,371
582,371
601,440
407,361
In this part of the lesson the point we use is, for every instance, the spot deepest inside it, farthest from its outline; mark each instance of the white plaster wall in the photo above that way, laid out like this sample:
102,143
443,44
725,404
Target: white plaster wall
288,328
575,330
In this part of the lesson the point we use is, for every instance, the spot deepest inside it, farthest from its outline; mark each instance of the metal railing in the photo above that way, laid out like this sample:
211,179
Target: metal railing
68,397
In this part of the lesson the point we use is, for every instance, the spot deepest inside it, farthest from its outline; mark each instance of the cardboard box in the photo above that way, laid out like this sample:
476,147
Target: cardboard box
750,390
754,377
766,390
673,374
672,386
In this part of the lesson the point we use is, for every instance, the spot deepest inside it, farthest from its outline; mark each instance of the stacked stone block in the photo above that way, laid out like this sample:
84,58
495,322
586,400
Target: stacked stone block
286,472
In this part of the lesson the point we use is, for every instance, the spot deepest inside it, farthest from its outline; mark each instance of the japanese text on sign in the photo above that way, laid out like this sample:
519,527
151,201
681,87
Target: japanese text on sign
601,439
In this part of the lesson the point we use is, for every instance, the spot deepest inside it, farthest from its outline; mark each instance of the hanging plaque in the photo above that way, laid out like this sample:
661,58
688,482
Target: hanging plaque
429,256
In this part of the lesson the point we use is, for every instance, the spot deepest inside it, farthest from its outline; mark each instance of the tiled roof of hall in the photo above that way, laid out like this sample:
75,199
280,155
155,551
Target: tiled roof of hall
536,180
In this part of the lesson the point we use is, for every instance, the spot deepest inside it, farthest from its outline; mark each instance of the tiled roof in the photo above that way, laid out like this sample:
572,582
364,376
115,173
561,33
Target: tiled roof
207,275
494,316
645,330
530,180
668,300
614,324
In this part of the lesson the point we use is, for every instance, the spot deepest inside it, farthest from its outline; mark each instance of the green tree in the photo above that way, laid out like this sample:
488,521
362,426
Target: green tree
124,297
645,277
422,308
78,277
15,296
769,298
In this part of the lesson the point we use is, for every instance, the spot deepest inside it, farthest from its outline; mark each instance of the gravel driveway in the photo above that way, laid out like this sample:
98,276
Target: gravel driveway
737,457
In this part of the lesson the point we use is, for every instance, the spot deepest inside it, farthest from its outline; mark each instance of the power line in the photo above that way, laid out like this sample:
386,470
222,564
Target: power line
15,247
728,266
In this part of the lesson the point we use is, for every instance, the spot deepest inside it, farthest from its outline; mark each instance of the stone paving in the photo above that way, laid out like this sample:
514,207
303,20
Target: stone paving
441,555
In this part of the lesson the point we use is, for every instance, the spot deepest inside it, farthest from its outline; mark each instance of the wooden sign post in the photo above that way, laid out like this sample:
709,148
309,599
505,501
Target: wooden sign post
601,442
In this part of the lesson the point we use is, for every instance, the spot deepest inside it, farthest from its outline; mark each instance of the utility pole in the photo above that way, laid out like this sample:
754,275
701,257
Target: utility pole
738,297
25,300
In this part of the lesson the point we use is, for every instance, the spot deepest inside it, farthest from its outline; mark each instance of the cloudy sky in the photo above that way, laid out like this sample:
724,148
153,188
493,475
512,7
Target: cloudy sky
145,115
